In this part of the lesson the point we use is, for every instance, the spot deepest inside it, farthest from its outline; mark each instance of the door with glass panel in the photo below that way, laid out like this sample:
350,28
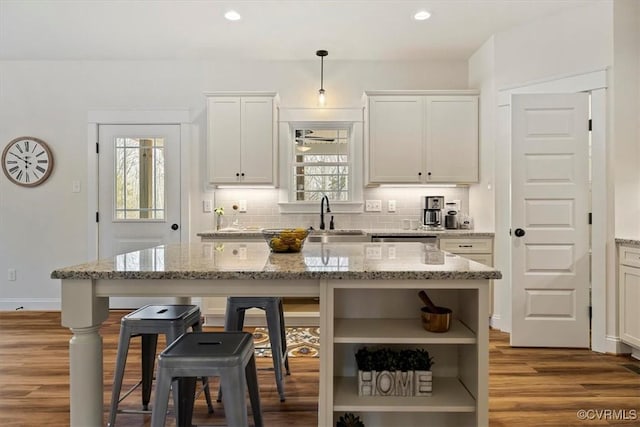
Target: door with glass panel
139,194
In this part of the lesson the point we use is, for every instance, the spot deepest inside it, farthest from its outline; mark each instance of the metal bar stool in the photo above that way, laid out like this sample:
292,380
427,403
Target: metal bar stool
229,355
234,321
148,322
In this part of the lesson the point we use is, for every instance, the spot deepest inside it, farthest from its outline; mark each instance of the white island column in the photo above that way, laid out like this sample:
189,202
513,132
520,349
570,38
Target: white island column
83,313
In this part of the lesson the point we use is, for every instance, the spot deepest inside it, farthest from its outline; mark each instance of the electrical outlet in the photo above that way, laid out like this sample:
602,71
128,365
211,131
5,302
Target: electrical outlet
392,252
373,252
207,206
373,206
242,205
391,206
75,186
11,274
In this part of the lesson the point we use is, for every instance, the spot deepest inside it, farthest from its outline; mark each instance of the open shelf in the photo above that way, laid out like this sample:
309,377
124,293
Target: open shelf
449,395
398,331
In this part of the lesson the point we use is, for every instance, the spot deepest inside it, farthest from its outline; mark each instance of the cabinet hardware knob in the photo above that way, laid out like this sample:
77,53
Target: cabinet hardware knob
237,174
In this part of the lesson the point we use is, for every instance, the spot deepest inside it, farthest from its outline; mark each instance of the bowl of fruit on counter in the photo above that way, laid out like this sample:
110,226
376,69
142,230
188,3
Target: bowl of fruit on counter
285,239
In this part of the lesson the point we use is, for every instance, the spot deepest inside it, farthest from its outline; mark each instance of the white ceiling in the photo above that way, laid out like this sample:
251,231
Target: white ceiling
269,29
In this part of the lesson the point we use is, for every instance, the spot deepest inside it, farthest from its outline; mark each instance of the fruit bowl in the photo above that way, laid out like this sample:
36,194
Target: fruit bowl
284,240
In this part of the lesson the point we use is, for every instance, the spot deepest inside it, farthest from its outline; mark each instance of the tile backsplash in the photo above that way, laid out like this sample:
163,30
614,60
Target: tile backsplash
263,210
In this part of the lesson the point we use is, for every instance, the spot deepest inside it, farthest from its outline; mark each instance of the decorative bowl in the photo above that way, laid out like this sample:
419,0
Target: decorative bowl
284,240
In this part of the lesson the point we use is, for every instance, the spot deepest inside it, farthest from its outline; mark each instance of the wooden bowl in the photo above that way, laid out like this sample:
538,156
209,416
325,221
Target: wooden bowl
437,319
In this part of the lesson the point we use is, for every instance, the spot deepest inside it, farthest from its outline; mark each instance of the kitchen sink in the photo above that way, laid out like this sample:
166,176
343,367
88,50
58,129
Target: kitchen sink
335,236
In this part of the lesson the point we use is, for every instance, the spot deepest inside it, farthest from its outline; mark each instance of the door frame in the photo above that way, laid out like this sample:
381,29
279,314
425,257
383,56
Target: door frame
95,118
603,279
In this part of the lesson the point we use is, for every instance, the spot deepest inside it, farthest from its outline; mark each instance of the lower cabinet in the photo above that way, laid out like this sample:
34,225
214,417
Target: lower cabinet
629,291
386,314
479,249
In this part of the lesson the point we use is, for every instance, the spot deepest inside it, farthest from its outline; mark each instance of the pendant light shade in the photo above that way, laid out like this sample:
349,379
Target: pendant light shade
321,93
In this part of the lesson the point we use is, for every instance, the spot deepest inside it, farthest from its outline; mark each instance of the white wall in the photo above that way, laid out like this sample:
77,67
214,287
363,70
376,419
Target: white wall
45,227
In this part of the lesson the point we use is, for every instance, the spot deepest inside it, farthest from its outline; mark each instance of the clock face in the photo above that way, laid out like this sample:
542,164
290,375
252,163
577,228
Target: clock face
27,161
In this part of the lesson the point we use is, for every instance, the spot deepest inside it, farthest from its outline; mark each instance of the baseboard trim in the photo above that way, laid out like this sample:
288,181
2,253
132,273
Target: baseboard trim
30,304
613,345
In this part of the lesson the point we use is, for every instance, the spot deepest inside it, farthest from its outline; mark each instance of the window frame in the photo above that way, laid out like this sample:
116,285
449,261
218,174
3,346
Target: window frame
288,202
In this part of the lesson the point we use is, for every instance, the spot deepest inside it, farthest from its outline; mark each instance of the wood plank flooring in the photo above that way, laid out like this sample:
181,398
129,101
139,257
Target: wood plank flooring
528,387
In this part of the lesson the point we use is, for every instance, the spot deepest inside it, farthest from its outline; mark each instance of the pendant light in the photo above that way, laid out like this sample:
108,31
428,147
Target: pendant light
321,93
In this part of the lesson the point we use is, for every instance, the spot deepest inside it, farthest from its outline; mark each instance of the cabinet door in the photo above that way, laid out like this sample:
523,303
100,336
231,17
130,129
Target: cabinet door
629,281
395,139
256,157
451,138
223,141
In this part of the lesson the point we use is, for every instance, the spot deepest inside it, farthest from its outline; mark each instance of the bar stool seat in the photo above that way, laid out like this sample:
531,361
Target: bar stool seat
148,322
234,321
228,355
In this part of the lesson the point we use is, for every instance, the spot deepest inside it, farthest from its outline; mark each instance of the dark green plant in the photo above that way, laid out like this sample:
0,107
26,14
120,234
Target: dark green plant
386,359
349,420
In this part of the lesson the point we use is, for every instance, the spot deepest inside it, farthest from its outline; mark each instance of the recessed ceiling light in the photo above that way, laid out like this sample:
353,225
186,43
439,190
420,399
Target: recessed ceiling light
232,15
422,15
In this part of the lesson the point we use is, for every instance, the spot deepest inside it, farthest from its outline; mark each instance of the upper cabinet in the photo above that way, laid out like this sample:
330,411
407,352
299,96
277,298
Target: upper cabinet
241,141
422,137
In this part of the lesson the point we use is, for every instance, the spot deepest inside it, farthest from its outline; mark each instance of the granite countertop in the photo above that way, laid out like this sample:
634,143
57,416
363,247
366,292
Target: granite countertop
628,242
254,260
240,233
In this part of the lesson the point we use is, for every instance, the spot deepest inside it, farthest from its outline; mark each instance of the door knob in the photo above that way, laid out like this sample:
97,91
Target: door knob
519,232
175,226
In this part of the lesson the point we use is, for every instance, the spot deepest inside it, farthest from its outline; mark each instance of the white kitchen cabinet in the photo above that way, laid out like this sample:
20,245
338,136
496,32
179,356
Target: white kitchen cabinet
422,137
629,291
241,141
395,139
479,249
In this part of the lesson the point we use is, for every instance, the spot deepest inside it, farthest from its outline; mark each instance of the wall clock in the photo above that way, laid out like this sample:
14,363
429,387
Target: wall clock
27,161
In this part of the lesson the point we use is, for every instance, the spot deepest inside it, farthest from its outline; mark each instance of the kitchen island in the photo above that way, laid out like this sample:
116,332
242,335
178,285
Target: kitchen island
368,296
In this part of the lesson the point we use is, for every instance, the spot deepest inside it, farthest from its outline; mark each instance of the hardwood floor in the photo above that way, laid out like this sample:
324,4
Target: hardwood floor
528,387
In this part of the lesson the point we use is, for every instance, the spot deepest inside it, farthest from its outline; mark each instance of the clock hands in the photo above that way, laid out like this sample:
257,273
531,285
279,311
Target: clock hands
20,158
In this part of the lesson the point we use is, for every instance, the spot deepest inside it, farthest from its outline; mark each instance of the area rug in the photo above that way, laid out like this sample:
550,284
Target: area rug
301,342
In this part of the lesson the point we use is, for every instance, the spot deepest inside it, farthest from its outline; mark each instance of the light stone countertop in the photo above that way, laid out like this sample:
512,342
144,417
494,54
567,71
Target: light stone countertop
236,259
252,233
628,242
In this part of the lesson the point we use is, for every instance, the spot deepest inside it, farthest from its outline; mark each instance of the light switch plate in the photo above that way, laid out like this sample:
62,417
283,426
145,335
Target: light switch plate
391,206
207,206
75,186
242,205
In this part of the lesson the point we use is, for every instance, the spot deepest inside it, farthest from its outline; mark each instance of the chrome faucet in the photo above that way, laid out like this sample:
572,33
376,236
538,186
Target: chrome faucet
324,197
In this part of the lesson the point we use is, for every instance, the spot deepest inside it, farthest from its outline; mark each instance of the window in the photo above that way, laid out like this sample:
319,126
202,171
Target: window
321,164
139,178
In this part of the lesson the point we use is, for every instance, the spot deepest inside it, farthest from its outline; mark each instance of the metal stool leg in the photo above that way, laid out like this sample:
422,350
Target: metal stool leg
161,402
233,383
283,334
149,347
254,396
275,336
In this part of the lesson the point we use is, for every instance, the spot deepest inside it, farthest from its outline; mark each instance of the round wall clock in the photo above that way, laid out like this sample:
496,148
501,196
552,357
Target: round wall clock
27,161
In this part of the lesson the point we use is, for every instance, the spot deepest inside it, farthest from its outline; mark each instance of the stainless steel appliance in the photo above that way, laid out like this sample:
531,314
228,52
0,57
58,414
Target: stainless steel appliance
432,212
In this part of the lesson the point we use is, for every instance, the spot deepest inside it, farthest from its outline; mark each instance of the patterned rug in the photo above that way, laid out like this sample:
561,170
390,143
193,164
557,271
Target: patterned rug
301,342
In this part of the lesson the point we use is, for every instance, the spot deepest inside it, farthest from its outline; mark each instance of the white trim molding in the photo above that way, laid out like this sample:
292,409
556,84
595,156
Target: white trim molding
30,304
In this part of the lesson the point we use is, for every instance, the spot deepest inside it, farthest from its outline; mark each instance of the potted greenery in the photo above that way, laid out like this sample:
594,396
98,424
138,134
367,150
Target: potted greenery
386,372
349,420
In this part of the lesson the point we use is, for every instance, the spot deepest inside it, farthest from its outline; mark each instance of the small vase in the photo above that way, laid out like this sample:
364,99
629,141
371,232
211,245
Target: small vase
218,222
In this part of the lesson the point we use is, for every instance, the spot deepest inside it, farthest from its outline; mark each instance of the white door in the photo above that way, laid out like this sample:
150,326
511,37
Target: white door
549,219
138,192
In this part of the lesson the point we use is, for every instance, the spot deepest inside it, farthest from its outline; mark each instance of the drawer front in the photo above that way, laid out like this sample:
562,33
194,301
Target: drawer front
467,246
485,259
629,256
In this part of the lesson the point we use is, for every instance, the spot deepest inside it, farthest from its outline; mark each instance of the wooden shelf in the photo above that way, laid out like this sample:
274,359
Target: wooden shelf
449,395
397,331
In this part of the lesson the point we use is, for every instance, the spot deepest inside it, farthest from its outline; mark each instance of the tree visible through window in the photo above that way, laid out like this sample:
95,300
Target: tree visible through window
139,178
321,164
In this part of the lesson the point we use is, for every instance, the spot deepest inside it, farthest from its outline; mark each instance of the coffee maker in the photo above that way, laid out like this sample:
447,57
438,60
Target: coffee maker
432,212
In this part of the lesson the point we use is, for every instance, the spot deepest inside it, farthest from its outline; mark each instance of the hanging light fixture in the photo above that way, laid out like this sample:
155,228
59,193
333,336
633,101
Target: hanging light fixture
321,93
